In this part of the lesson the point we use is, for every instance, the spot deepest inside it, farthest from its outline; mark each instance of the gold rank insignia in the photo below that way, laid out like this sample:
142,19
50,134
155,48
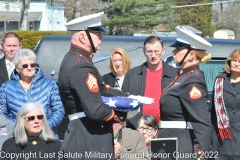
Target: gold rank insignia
34,142
195,93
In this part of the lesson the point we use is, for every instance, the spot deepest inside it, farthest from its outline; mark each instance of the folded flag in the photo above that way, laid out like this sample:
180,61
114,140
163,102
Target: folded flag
123,104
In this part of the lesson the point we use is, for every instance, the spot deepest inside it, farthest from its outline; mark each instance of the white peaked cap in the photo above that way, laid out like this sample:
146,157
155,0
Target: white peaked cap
90,21
188,38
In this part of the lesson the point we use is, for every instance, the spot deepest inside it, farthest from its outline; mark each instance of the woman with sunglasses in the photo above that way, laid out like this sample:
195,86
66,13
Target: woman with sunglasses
147,125
32,136
28,84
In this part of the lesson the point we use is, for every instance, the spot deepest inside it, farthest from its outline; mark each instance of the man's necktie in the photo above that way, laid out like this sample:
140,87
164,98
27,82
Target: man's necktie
10,69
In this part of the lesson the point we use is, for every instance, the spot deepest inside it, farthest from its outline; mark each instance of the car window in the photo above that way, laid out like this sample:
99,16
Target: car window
211,69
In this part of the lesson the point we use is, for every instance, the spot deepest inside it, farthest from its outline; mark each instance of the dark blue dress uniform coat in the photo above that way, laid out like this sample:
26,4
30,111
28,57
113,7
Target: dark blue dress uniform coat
81,87
231,96
186,100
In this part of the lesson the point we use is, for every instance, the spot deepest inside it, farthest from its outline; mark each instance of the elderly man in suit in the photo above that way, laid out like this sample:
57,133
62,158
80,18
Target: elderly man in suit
10,43
128,144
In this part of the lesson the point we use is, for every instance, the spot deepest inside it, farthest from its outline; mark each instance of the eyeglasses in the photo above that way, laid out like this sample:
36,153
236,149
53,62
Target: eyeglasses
150,52
32,118
32,65
148,130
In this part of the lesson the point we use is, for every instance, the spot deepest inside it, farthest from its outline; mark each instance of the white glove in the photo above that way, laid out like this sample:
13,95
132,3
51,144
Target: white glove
142,99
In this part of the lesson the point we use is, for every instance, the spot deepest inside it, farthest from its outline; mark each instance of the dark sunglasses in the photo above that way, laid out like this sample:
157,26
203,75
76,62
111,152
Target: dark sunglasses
31,118
32,65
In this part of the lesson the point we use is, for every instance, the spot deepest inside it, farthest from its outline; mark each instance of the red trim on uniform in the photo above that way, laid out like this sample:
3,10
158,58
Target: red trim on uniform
81,48
111,116
78,54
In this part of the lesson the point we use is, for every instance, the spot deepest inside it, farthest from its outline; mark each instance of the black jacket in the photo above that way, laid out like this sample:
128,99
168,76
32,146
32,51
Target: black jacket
3,71
109,79
39,150
135,81
231,98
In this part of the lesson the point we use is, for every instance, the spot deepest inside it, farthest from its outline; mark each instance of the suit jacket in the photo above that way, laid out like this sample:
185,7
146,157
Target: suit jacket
132,143
109,79
3,71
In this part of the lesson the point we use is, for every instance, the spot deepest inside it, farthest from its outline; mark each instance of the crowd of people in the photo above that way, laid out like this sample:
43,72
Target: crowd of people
173,102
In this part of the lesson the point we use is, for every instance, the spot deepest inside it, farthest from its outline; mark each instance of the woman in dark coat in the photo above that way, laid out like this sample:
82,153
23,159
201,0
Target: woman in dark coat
32,137
184,110
225,105
119,65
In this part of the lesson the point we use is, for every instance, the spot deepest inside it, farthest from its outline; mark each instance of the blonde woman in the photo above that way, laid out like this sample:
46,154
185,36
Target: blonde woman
119,65
226,114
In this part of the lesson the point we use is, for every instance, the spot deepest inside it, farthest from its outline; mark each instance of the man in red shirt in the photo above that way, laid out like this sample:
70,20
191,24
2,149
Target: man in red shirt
149,79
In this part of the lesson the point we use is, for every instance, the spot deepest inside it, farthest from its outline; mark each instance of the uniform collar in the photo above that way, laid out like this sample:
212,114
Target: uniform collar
81,51
188,69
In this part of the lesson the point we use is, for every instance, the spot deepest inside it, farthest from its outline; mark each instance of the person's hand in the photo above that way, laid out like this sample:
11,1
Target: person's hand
142,99
117,149
107,86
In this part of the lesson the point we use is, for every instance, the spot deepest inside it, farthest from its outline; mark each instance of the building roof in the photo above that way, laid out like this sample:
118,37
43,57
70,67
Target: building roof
15,16
229,32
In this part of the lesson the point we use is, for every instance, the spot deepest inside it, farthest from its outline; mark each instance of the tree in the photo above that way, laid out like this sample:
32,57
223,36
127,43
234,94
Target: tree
228,18
128,16
78,8
24,15
198,17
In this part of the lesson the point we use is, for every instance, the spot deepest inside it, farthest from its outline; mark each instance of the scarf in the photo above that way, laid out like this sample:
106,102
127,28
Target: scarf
221,113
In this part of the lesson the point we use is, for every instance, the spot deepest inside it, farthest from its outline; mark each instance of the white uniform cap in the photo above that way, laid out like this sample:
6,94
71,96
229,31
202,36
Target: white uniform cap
187,39
92,22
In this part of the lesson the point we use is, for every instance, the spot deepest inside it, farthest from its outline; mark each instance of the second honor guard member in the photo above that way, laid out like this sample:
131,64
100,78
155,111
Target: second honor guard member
89,134
184,110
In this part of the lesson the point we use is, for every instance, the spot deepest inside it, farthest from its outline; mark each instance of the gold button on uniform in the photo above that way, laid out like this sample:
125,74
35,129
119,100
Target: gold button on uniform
102,126
34,142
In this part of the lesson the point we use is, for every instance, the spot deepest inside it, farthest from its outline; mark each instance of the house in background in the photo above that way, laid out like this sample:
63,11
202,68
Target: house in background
224,34
42,16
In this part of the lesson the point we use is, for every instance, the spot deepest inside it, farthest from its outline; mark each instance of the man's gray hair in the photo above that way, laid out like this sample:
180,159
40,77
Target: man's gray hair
20,133
24,52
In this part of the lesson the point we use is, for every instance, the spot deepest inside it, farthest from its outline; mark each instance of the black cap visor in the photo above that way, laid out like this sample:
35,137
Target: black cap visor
97,29
179,44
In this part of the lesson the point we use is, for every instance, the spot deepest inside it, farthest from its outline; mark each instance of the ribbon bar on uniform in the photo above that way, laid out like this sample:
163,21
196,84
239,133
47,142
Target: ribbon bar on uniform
76,116
175,124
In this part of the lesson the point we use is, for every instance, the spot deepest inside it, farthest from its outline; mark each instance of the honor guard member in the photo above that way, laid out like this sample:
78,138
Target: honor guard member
184,110
89,132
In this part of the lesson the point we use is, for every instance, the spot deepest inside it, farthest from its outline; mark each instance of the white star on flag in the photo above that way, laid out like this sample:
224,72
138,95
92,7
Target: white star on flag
134,103
111,103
